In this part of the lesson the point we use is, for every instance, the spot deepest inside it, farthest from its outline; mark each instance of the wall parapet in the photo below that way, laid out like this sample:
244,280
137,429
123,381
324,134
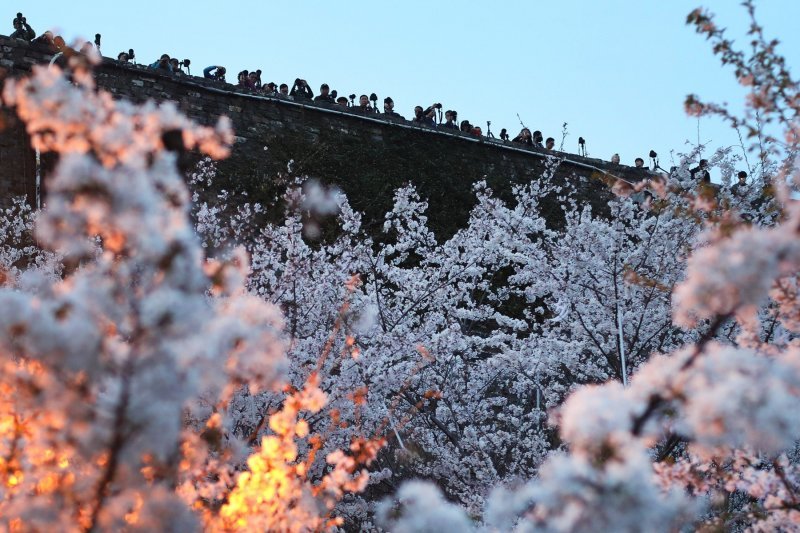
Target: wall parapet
368,156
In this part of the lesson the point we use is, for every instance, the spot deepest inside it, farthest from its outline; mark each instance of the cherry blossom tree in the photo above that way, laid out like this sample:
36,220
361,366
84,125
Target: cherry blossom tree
121,363
455,350
172,359
705,435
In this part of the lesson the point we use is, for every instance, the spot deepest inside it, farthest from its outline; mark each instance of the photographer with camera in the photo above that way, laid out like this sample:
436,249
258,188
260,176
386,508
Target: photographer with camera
217,74
324,95
270,89
425,118
162,64
524,137
127,57
465,127
701,171
363,105
175,65
22,29
388,109
449,120
300,89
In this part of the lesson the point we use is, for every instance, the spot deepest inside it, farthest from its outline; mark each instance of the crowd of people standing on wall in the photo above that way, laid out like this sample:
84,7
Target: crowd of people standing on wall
432,116
250,81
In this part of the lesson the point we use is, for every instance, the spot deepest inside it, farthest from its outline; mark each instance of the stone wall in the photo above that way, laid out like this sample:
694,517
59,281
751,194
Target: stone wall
366,156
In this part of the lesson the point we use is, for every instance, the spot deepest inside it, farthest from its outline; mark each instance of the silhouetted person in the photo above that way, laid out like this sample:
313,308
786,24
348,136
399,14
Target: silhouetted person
550,143
218,74
388,108
284,89
22,30
524,137
254,80
324,95
740,187
363,104
701,172
638,162
537,139
162,64
424,117
449,120
300,89
47,39
175,65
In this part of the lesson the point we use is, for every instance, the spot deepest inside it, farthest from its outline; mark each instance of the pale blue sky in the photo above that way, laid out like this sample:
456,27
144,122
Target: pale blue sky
616,71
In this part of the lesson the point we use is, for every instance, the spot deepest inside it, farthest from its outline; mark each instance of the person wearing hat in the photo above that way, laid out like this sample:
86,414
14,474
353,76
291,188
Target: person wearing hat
324,95
388,108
